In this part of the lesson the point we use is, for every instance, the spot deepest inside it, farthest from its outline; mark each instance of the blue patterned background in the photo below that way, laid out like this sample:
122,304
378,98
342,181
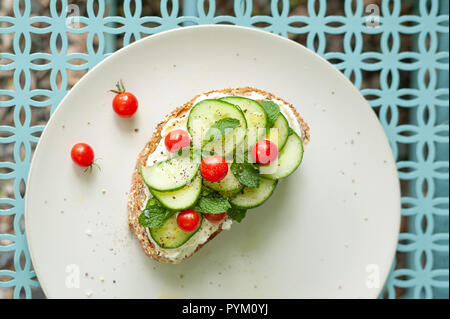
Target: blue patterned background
408,90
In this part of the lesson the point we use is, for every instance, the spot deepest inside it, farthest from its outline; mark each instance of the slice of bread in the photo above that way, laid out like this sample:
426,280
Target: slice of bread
138,193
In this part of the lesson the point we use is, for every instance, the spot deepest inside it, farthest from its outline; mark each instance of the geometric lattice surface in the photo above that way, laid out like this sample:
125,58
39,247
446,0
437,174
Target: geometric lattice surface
395,52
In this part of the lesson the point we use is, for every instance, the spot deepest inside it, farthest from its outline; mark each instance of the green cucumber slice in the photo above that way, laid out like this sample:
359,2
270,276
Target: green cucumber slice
282,125
253,197
207,112
289,159
228,184
255,116
229,195
170,235
180,199
170,175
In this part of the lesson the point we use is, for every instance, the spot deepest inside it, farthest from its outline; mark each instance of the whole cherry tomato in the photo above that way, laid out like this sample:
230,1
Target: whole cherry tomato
188,220
265,152
215,218
214,168
82,154
125,104
176,140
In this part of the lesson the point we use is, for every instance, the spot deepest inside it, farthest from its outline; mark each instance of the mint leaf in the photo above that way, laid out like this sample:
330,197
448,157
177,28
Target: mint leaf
272,110
213,205
154,214
246,174
219,128
206,191
211,202
237,214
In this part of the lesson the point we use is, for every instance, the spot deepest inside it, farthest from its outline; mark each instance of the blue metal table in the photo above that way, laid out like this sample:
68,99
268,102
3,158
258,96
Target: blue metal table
419,143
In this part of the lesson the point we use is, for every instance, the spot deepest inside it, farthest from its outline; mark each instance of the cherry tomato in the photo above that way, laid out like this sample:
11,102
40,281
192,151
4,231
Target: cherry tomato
188,220
82,154
215,218
214,168
265,152
125,104
177,139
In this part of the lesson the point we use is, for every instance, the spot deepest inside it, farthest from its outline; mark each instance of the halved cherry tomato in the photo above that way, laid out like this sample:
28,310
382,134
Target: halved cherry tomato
125,104
188,220
176,140
265,152
82,154
214,168
215,218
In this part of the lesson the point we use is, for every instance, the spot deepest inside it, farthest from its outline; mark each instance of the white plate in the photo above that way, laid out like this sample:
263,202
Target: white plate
330,230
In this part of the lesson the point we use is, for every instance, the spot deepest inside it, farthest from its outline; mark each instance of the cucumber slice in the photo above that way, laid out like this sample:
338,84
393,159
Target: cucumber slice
228,184
282,125
253,197
289,159
207,112
170,175
255,116
229,195
170,235
180,199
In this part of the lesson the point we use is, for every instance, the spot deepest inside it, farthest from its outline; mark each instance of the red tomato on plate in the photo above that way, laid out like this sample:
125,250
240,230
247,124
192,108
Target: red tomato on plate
82,154
125,104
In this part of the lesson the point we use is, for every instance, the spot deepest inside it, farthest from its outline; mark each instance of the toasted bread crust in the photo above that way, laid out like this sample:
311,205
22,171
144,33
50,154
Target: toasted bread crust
138,192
